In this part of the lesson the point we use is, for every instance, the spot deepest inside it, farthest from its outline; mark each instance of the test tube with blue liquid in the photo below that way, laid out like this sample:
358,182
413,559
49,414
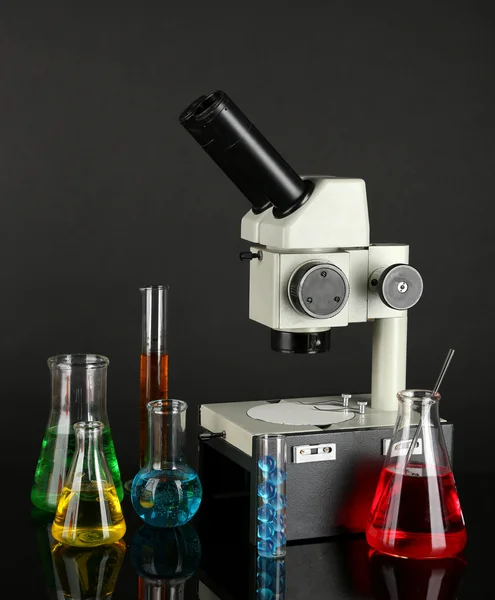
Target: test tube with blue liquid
271,490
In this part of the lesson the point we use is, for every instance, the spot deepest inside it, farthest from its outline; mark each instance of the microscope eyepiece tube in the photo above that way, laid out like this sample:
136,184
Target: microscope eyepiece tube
244,155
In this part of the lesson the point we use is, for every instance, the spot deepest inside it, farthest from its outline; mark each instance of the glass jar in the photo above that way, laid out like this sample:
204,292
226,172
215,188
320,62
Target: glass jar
271,511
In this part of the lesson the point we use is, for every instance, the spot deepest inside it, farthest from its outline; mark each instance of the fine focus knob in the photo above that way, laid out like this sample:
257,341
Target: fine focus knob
400,286
319,290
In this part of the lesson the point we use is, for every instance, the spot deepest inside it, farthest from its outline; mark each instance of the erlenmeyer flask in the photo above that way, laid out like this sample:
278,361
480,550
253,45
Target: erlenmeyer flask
88,573
89,511
78,393
166,492
416,511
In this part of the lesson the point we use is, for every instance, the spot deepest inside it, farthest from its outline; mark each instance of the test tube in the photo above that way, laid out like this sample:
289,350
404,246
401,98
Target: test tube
271,511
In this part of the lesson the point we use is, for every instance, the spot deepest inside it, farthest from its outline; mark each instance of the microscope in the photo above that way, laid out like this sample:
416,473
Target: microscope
311,268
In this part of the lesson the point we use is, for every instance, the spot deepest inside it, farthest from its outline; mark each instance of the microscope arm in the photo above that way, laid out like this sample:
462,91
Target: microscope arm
388,362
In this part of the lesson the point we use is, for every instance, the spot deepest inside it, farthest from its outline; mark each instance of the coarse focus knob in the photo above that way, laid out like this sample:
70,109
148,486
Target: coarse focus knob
400,286
319,290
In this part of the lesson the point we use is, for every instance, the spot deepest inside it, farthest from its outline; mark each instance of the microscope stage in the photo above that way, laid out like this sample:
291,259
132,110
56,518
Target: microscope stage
290,416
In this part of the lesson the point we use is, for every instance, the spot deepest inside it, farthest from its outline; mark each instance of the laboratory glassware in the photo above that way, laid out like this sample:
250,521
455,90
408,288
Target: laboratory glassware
88,573
153,372
164,559
416,512
167,491
153,362
271,493
89,512
78,393
41,525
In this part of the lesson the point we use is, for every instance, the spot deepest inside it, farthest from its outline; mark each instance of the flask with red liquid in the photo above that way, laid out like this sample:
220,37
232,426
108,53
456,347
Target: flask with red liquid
416,512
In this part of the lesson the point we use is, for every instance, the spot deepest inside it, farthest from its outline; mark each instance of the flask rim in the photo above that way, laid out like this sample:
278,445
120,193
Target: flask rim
166,406
145,288
69,361
418,395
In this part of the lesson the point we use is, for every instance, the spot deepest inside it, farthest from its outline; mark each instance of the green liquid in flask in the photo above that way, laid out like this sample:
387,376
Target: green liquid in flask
57,450
89,517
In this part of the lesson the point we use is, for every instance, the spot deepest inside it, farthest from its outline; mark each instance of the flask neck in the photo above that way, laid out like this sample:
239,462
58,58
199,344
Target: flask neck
418,439
154,315
420,409
79,387
89,463
166,433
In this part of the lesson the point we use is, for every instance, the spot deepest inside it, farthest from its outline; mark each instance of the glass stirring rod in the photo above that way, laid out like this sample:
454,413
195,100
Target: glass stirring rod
445,366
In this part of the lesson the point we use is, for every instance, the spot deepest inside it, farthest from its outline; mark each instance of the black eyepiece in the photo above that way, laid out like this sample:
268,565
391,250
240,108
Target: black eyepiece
244,155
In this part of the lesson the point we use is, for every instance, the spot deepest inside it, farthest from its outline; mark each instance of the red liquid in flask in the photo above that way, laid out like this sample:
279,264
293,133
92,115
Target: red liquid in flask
417,513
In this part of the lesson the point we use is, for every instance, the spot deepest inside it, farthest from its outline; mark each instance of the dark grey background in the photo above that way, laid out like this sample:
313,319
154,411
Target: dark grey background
102,192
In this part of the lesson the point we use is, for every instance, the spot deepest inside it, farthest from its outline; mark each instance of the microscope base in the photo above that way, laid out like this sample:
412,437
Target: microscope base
324,497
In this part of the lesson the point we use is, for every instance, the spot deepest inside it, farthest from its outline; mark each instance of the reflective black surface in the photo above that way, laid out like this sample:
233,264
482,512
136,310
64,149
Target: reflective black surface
211,558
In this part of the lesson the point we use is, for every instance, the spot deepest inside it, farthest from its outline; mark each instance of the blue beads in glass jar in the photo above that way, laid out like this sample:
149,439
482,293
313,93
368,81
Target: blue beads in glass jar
271,491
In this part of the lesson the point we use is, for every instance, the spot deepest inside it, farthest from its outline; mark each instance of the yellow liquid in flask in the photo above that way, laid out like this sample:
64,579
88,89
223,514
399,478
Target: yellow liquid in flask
88,517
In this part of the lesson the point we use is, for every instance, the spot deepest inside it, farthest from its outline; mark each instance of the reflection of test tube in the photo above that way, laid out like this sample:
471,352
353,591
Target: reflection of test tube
270,578
271,489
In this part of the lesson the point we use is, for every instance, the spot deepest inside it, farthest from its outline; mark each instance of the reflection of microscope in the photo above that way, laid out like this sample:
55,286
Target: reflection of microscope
312,268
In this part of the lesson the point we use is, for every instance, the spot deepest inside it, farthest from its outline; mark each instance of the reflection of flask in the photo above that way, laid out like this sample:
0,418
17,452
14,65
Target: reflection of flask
41,522
416,511
165,559
78,392
89,512
395,578
166,492
88,573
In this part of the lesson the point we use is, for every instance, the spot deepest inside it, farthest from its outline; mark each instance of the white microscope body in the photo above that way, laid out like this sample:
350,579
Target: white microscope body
312,265
331,228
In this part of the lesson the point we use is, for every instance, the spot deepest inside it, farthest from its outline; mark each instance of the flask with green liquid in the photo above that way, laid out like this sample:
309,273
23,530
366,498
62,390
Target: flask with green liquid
78,393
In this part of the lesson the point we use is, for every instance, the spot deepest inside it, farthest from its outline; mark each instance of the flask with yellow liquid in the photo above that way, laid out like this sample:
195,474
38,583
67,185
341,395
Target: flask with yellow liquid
89,511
